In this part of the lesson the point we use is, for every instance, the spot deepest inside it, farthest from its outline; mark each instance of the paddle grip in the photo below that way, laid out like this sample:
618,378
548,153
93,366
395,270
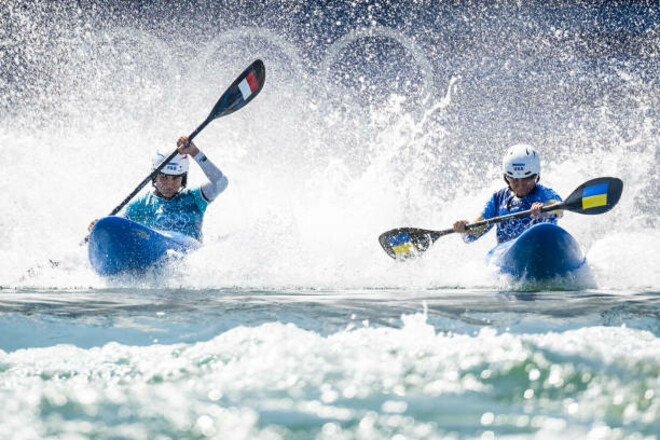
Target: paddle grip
492,221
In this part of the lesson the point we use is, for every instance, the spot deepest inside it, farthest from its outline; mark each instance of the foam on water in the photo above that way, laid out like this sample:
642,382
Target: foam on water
275,380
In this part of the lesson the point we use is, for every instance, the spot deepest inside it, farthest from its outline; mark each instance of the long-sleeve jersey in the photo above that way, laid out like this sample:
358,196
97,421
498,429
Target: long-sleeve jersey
184,212
505,202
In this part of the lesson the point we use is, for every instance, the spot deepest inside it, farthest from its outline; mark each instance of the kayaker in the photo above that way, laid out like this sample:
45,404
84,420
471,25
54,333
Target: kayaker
172,207
522,172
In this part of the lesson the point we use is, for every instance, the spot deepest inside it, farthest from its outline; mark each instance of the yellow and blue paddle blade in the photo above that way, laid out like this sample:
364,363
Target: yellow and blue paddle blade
595,196
406,243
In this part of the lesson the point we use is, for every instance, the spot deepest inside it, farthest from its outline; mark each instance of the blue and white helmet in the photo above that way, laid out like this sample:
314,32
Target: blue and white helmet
175,167
521,161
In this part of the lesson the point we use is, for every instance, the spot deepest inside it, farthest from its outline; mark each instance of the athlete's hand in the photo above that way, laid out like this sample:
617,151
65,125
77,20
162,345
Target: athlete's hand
91,225
536,211
459,226
186,147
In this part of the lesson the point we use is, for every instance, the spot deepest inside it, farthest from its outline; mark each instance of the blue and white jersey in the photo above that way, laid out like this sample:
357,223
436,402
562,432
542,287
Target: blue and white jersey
184,213
505,202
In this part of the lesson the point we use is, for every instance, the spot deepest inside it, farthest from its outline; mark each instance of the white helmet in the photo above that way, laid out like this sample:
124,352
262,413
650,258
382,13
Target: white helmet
175,167
521,161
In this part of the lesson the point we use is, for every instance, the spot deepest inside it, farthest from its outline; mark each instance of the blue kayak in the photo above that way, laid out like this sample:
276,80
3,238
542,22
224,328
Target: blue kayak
543,251
118,245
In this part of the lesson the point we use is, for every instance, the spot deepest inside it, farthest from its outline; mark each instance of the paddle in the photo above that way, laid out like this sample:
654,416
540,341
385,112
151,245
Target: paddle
593,197
243,90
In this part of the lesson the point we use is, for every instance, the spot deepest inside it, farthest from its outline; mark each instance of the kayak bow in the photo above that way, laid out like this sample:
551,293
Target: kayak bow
118,245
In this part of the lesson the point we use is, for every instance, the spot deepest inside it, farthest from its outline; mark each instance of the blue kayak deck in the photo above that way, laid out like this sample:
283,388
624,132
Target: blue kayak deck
543,251
118,245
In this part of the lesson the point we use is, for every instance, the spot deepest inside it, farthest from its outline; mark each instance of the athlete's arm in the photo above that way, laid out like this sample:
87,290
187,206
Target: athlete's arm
489,211
217,181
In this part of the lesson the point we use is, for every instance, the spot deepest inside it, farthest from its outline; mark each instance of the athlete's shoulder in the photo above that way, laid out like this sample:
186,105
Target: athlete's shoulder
492,207
547,193
503,192
140,206
191,192
193,196
142,199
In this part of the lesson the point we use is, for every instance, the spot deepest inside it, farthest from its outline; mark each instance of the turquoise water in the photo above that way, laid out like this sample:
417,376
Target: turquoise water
291,322
338,364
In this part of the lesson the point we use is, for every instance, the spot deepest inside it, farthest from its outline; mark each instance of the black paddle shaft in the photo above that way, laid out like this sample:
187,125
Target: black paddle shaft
503,218
157,169
573,202
230,101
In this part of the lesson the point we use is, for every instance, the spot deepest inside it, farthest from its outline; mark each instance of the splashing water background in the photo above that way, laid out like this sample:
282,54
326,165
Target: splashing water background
372,118
291,320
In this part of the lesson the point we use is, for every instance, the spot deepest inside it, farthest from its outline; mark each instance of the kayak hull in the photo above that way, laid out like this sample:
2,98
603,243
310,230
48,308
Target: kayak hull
118,245
543,251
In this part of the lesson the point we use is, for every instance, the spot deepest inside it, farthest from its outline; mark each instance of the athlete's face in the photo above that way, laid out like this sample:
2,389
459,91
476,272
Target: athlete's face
522,187
168,185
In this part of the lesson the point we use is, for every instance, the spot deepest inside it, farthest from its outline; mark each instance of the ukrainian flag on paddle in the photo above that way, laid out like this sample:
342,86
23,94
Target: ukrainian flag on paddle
594,196
402,244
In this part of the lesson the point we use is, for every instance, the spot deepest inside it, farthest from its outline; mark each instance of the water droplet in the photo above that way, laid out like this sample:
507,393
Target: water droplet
487,418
